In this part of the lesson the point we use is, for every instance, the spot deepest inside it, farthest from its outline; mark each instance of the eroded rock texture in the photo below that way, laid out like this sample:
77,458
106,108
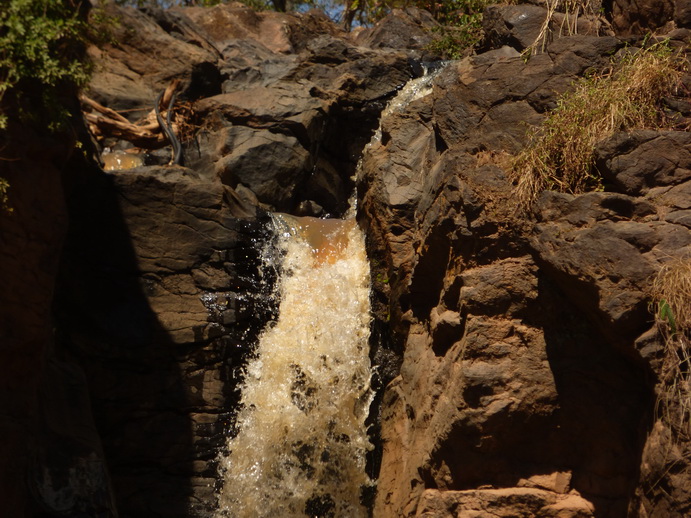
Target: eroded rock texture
524,388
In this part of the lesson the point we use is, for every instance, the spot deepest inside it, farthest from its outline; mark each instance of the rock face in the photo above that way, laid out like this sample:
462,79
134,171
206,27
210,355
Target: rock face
516,355
46,424
157,298
527,363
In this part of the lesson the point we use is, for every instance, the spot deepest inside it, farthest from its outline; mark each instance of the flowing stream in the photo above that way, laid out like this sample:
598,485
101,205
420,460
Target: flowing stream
301,436
301,439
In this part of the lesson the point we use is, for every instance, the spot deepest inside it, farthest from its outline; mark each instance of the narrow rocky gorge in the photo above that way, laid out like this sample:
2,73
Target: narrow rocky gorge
518,362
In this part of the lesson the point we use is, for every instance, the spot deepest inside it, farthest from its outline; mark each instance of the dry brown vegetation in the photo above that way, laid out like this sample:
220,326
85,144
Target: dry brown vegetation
572,10
624,97
672,287
671,291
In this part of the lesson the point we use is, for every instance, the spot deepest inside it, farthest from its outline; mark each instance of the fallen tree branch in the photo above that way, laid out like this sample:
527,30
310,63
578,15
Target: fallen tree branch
150,133
139,136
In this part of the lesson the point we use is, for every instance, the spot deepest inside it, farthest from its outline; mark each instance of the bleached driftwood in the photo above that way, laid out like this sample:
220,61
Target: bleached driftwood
147,133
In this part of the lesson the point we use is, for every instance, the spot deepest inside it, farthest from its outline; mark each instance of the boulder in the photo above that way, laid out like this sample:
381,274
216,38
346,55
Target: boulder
408,28
613,244
522,26
147,57
272,165
636,161
166,276
503,503
637,18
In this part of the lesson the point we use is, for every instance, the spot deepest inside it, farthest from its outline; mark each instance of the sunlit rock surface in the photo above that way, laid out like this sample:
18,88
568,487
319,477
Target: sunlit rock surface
524,341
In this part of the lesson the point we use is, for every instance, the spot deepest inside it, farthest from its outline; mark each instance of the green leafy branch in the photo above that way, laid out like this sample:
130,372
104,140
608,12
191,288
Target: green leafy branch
41,43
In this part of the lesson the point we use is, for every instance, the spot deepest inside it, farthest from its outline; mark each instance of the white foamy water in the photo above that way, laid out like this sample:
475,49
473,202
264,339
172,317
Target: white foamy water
414,89
301,436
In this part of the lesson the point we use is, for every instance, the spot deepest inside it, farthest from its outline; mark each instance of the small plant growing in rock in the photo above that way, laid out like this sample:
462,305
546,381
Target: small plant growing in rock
461,27
560,154
4,200
671,289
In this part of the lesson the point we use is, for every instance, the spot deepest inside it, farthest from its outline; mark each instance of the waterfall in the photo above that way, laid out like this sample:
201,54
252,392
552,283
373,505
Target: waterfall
414,89
301,440
301,437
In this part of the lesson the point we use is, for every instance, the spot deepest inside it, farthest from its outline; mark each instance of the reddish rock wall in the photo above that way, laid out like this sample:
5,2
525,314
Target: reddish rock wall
523,390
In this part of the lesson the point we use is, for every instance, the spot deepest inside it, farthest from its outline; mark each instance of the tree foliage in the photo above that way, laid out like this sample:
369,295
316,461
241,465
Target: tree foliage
40,49
41,53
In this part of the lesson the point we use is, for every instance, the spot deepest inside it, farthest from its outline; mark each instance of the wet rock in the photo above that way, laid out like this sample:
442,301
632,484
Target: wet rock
168,323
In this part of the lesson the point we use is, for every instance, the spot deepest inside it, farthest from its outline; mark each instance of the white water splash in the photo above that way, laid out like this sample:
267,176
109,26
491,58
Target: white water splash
302,440
414,89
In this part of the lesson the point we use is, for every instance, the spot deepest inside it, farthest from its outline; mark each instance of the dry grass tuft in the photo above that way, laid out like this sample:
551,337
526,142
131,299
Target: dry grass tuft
571,9
626,96
671,289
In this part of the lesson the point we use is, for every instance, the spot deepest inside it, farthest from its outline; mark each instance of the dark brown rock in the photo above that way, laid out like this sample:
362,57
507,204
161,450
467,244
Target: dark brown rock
148,57
522,26
166,277
408,28
635,17
272,165
523,346
51,456
606,254
638,160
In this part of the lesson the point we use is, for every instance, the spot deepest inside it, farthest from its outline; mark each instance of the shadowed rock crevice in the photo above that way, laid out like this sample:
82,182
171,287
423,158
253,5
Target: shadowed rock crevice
159,305
606,404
